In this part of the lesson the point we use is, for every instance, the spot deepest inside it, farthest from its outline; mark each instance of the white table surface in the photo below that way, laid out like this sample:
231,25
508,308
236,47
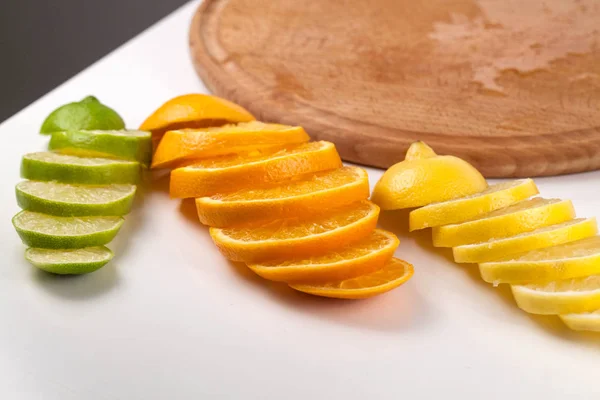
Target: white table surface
169,318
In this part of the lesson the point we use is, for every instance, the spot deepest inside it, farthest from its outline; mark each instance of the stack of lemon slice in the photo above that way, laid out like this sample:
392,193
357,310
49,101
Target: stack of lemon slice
550,257
283,205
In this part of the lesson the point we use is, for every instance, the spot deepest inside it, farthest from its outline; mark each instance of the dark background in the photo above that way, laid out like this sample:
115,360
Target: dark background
45,42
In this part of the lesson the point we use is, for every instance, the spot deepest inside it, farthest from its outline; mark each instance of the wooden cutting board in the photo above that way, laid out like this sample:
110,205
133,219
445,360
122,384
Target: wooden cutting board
512,86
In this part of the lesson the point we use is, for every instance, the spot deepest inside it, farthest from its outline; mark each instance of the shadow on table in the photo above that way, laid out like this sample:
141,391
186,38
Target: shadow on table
78,287
398,310
397,222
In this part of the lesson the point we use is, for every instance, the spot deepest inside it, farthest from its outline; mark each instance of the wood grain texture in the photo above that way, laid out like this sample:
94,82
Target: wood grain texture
511,86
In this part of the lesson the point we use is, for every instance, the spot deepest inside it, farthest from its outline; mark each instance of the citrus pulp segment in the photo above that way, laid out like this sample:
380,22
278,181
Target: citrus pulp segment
232,173
69,261
194,110
394,273
124,144
294,198
466,208
179,145
69,200
47,231
48,166
570,260
540,238
569,296
583,322
297,237
521,217
365,256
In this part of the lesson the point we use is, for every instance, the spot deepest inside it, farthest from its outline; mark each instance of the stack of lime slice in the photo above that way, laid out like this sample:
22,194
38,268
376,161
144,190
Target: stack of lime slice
75,196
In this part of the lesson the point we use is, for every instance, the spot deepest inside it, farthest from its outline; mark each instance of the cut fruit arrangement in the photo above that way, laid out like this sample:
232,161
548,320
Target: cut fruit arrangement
550,258
75,196
283,205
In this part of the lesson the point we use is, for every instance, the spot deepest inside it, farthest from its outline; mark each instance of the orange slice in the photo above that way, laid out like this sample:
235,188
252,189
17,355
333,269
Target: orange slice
392,275
195,110
296,198
297,237
368,255
230,173
186,144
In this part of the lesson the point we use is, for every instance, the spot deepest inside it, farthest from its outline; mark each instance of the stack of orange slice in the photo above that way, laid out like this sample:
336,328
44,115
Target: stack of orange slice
283,205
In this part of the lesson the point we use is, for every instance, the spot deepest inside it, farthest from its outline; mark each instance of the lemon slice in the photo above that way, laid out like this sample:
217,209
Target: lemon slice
583,322
540,238
69,261
524,216
470,207
571,260
560,297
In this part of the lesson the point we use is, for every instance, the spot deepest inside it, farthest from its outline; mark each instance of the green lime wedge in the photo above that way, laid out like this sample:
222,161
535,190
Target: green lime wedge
88,113
51,232
124,144
47,166
68,200
69,261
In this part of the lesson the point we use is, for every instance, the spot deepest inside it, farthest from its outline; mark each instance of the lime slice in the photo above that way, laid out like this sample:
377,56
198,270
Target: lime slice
127,145
88,113
69,261
47,166
68,200
50,232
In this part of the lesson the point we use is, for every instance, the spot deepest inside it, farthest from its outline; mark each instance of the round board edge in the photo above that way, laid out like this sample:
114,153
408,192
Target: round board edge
494,157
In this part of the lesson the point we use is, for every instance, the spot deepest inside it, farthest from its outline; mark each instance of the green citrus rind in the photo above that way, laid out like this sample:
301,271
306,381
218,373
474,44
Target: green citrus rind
88,113
69,261
48,166
67,200
52,232
127,145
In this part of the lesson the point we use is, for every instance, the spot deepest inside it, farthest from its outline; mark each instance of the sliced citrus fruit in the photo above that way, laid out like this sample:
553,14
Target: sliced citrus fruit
185,144
194,111
69,261
48,166
232,173
68,200
470,207
393,274
424,178
540,238
51,232
123,144
570,260
294,198
575,295
583,322
521,217
365,256
297,237
88,113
